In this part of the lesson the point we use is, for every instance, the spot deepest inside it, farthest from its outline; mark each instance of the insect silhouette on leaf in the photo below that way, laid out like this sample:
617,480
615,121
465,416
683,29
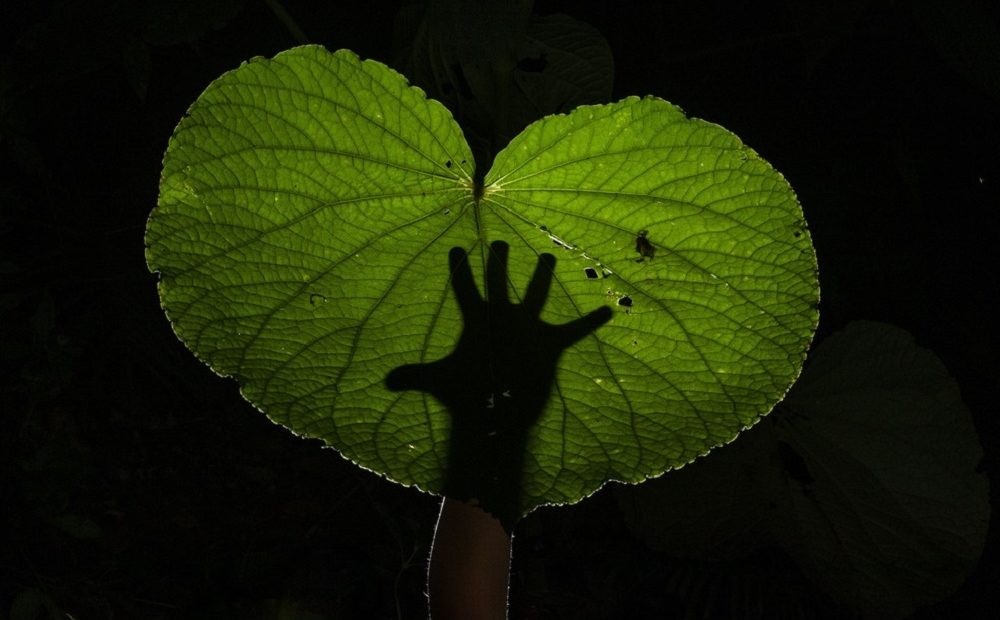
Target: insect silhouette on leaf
644,247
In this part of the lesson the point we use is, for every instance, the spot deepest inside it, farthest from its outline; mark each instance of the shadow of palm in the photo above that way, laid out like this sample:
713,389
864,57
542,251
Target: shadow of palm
496,381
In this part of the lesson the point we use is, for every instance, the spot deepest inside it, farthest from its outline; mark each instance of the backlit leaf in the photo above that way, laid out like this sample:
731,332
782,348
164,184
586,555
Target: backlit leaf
307,207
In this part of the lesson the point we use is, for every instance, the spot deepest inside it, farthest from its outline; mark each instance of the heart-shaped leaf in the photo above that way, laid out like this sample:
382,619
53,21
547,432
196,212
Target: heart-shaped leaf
307,208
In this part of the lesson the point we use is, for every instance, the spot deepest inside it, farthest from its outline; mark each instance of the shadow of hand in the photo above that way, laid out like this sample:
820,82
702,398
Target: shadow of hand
497,380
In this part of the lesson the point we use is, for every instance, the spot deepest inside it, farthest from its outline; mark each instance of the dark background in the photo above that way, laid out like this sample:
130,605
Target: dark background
137,484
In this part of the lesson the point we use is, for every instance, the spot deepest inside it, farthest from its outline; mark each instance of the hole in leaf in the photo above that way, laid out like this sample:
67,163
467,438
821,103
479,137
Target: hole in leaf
625,300
447,164
556,240
644,247
591,273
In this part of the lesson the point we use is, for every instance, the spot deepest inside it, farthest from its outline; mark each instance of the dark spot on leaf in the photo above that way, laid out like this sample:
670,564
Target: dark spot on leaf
797,234
591,273
543,228
644,247
625,300
533,65
447,164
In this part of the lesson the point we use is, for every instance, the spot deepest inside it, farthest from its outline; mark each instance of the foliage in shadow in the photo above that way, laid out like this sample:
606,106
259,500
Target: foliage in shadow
496,381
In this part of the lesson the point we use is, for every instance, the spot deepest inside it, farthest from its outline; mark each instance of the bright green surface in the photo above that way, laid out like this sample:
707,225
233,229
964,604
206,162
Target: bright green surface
307,207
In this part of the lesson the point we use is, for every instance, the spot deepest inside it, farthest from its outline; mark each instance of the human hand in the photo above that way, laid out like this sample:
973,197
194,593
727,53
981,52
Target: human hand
497,380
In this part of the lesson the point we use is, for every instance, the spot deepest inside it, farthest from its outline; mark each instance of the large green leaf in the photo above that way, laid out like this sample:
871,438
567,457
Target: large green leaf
307,208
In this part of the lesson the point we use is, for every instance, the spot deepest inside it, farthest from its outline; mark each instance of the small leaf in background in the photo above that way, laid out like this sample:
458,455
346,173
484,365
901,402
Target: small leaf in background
869,470
500,68
897,515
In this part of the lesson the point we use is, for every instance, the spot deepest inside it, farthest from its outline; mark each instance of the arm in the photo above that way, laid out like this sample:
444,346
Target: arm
470,562
495,384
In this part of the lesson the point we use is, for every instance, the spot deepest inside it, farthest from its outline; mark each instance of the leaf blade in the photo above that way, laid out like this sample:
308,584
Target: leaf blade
728,299
301,197
306,208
